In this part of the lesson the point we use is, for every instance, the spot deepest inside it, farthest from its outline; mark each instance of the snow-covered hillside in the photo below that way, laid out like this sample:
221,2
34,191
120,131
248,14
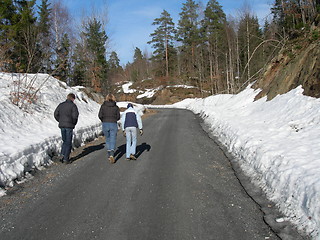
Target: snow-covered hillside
126,88
277,144
28,139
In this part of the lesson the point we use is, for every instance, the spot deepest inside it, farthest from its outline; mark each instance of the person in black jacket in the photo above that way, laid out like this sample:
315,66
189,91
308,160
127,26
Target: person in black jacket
109,114
67,115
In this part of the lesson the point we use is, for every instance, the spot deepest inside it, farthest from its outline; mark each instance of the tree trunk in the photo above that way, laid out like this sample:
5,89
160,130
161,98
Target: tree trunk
211,68
248,51
303,13
167,61
200,72
231,71
238,61
227,74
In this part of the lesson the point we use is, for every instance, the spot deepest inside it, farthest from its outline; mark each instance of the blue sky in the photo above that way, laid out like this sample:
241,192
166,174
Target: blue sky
130,21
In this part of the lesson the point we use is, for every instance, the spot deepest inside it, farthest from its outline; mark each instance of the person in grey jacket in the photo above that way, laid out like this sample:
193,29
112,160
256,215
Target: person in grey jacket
67,115
109,114
130,121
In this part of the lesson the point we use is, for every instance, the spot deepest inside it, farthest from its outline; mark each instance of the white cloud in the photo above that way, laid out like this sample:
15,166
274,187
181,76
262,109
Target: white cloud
149,12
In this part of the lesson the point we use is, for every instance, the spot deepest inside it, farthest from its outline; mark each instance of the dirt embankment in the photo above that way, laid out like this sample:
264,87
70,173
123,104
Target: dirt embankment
297,64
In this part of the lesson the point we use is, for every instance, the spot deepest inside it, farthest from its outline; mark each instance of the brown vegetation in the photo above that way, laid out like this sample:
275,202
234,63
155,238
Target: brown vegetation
297,64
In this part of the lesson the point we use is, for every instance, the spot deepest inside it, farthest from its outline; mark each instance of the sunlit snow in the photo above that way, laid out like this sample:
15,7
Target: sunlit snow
277,144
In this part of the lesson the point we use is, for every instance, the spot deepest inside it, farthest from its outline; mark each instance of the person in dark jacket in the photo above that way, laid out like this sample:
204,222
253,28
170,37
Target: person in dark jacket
130,121
109,114
67,115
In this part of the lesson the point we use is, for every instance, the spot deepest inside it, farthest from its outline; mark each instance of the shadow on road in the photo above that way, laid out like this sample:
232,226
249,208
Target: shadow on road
120,152
86,151
139,150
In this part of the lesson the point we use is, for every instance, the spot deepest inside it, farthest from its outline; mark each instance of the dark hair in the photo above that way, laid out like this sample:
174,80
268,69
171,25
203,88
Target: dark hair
71,96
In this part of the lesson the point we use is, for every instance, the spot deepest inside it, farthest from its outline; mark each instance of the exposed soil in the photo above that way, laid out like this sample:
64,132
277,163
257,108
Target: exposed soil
297,64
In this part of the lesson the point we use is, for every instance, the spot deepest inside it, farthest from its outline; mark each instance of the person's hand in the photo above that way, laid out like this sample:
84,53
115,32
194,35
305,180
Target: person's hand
124,133
141,132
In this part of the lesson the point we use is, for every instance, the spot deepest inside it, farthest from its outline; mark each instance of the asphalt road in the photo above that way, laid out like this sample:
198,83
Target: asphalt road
181,187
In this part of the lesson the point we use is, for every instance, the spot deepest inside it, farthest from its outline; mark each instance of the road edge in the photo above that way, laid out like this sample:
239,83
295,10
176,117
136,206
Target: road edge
284,230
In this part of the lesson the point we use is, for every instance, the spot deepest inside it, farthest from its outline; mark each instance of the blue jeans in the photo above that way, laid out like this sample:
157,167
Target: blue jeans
67,134
110,130
131,136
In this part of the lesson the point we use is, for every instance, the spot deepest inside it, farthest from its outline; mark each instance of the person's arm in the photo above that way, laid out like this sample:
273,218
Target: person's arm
75,114
123,119
57,113
139,121
118,113
100,114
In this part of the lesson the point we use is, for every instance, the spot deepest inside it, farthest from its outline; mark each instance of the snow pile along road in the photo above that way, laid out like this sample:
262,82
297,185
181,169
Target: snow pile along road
30,138
277,144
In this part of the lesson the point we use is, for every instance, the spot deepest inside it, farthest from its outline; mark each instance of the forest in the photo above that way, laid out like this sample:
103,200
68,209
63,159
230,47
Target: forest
205,48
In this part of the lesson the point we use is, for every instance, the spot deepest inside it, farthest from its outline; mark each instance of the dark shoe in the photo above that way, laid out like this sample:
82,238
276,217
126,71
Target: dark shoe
66,161
132,157
128,159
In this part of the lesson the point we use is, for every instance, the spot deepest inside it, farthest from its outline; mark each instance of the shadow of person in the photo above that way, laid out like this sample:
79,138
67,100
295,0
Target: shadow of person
87,151
141,148
120,152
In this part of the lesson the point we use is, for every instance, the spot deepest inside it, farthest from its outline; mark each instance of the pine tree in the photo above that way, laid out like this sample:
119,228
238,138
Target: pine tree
188,32
95,39
18,36
114,61
80,76
135,70
26,38
138,69
250,36
62,68
115,70
60,27
45,37
214,34
8,19
162,42
214,18
44,17
278,13
188,35
291,15
137,56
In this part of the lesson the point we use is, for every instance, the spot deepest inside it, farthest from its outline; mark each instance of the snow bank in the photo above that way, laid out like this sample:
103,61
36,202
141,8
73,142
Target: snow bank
29,139
277,144
148,93
181,86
